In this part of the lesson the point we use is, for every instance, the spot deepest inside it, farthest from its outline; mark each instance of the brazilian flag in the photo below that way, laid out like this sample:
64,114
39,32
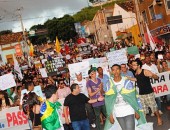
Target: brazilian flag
129,94
49,115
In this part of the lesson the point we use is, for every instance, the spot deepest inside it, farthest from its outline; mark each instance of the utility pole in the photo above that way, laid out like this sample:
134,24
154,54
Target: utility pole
26,49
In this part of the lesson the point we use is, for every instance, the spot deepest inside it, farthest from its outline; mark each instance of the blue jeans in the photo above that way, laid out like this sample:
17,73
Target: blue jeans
81,125
127,122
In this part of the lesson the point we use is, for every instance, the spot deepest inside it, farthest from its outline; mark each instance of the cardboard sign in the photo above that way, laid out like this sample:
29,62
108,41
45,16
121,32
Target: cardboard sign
7,81
82,67
43,72
117,57
13,119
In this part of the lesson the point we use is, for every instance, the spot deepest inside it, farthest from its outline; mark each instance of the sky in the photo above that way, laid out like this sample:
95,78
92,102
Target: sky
35,12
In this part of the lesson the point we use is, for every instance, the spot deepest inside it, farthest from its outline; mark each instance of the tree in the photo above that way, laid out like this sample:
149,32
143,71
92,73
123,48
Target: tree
5,32
61,27
38,39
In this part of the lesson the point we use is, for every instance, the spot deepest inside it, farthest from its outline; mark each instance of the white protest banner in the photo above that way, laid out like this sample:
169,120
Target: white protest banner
62,116
100,62
43,72
13,119
117,57
7,81
82,67
161,86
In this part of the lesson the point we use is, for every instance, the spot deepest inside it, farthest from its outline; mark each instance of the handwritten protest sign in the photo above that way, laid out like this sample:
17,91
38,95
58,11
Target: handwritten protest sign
7,81
82,67
117,57
55,66
43,72
13,119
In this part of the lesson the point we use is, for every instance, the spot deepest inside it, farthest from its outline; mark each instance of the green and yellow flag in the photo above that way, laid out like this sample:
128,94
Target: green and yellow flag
49,115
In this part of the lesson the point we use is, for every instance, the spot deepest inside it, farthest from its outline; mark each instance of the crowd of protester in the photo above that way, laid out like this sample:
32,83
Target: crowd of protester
85,96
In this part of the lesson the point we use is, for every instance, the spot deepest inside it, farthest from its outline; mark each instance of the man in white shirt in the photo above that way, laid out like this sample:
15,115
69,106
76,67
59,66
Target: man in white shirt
83,89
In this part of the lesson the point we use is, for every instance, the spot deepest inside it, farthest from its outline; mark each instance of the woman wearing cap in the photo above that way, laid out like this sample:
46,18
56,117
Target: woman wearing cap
95,90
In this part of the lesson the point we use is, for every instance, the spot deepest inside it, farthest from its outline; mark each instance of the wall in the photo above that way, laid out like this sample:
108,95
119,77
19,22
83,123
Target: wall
129,20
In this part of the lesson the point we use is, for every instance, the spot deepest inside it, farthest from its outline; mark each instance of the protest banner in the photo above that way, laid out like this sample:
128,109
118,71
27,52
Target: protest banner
7,81
55,66
43,72
13,119
161,86
82,67
133,50
61,112
100,62
117,57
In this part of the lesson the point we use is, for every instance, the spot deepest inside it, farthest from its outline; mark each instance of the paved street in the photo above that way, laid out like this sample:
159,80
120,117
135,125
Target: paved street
166,121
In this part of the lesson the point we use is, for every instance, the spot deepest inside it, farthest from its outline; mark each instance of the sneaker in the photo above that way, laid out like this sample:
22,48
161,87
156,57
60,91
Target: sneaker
93,125
160,112
152,114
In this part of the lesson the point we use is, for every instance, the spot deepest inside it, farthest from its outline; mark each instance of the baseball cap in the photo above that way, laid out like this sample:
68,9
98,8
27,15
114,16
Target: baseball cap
91,70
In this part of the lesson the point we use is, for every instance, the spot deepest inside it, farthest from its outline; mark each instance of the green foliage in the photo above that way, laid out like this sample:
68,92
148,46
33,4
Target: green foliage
61,27
85,14
5,32
36,27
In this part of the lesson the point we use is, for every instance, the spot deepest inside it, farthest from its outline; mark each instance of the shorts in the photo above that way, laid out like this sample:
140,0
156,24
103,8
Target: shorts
148,100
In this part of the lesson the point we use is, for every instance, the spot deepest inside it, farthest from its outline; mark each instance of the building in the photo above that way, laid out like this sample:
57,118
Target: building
156,14
101,31
98,28
10,47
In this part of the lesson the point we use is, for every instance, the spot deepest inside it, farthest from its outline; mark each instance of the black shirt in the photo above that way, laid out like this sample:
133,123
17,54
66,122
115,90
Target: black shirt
144,84
76,104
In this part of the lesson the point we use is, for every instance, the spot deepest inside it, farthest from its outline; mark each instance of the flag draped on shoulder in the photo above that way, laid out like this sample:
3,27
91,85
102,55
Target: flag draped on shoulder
57,45
49,115
129,94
